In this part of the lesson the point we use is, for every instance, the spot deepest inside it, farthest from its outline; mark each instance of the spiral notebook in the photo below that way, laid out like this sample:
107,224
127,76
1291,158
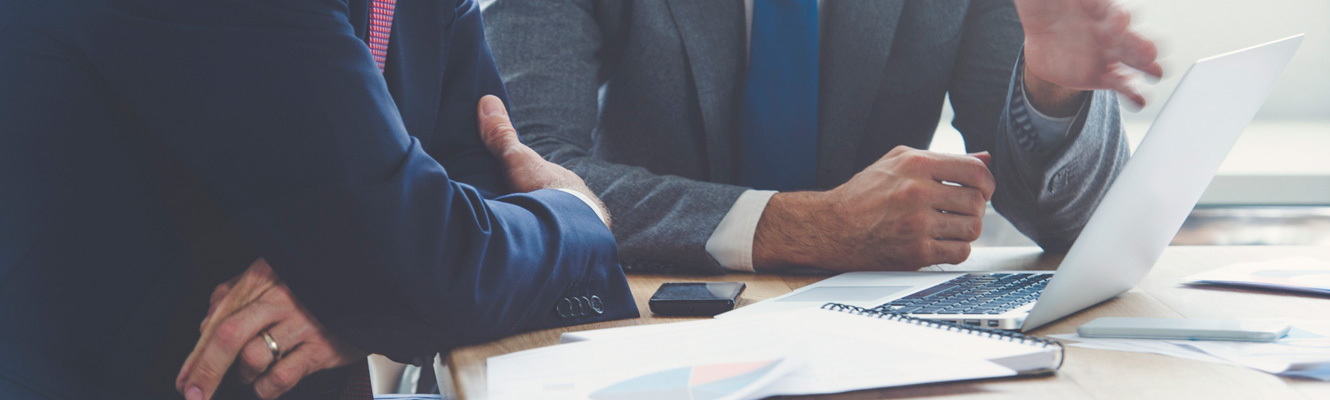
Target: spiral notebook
835,349
1023,354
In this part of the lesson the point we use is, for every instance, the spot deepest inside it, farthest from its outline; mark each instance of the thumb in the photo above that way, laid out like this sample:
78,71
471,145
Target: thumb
983,156
498,134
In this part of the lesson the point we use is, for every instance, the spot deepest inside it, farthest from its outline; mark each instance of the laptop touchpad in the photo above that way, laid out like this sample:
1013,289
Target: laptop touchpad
844,293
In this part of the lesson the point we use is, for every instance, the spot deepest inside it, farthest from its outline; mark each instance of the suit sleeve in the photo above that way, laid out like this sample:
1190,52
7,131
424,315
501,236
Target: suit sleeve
278,108
1047,191
553,56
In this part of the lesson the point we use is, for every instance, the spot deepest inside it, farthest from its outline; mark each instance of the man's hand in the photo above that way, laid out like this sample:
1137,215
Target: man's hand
897,214
527,171
241,310
1075,45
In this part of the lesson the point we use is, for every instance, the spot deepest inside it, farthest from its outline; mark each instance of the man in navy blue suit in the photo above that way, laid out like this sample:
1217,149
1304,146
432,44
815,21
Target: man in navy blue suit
152,149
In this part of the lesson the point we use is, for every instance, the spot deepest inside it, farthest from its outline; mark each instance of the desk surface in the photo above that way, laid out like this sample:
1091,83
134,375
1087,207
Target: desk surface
1089,374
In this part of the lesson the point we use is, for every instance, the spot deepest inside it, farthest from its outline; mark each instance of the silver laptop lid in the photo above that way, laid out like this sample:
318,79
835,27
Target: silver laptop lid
1147,203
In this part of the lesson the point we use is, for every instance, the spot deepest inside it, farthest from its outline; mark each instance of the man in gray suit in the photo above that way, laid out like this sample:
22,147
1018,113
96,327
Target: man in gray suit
752,135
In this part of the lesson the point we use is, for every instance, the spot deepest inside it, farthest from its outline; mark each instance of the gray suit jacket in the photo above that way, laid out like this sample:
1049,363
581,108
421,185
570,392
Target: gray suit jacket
640,98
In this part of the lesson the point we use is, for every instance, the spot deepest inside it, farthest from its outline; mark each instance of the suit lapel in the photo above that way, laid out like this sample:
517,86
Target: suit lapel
859,35
713,40
358,15
416,86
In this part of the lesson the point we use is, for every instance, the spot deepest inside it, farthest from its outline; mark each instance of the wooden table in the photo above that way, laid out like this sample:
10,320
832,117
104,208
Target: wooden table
1096,374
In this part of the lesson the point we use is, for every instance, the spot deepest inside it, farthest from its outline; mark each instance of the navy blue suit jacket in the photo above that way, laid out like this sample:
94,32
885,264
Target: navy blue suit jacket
151,149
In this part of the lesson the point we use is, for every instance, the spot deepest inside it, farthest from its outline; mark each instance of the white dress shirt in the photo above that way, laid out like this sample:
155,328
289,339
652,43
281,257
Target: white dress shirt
731,244
601,213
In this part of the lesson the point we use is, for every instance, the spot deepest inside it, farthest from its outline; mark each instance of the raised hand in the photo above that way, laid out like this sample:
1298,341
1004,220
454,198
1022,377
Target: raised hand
1085,45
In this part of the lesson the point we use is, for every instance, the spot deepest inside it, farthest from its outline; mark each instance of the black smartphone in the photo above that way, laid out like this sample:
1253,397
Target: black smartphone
695,299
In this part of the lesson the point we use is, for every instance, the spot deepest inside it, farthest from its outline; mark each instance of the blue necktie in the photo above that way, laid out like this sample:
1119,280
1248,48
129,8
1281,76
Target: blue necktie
778,120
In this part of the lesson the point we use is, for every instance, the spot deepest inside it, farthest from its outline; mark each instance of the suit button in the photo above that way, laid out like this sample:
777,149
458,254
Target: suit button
576,310
583,306
590,307
597,305
565,308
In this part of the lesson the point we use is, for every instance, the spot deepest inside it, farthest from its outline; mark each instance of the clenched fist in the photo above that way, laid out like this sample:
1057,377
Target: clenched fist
910,209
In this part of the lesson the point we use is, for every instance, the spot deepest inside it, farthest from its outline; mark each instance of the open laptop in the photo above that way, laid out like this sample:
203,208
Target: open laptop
1137,218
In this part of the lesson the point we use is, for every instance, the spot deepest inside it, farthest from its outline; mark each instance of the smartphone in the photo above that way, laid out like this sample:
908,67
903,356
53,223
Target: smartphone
1184,328
695,299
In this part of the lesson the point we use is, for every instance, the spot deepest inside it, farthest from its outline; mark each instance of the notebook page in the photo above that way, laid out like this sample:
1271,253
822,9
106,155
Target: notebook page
942,342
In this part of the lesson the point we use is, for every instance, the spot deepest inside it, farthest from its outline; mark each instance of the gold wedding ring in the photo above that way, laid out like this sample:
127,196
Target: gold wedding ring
272,346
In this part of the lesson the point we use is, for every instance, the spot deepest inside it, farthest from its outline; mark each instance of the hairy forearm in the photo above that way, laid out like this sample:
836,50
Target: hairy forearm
789,233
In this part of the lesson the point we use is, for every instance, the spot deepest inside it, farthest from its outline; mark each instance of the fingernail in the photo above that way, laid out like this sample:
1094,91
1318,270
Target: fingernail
493,108
194,393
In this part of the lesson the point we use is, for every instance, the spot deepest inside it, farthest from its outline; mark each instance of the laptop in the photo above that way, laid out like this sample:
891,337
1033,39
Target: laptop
1137,218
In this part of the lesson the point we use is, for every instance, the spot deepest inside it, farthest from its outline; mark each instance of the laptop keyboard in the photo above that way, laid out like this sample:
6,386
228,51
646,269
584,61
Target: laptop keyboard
973,294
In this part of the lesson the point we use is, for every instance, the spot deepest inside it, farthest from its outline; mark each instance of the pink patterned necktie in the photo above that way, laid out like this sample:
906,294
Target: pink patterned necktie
380,26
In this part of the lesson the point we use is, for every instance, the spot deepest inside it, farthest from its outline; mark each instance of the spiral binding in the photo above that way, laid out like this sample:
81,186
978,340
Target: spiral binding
949,326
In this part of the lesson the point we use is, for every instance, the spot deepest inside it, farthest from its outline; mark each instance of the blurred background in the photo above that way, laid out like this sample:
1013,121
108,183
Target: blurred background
1274,188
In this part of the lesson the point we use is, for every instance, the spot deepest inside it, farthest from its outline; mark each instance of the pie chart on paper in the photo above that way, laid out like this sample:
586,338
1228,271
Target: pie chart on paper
698,382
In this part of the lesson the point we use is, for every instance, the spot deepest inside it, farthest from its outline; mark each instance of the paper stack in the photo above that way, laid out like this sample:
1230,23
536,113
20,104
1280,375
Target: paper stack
789,353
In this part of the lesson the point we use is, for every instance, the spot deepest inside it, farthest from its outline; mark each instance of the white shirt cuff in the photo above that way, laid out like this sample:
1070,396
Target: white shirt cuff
731,244
1050,131
594,207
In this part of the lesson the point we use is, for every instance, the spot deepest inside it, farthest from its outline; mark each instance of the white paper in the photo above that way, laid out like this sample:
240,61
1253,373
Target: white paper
579,370
1161,347
1304,352
1299,274
826,352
